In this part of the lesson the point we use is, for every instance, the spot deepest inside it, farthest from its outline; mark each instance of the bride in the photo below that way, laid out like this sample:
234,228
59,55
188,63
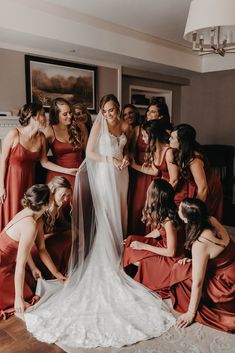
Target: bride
99,305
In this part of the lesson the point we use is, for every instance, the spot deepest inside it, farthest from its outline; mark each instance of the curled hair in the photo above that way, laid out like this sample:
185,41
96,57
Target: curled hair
36,197
52,214
188,145
160,205
107,98
195,211
156,133
75,133
137,119
28,111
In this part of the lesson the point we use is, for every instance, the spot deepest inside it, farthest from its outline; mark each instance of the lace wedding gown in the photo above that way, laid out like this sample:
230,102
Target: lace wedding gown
100,305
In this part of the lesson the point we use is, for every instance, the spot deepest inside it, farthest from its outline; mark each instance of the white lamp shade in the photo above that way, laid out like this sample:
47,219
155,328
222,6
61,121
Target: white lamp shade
204,14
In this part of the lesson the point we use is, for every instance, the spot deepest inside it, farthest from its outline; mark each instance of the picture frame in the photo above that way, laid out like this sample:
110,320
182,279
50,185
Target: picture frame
47,79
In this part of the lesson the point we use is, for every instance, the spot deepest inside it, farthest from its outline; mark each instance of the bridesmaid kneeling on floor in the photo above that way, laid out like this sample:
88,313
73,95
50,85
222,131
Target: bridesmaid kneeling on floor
55,228
16,241
203,289
154,259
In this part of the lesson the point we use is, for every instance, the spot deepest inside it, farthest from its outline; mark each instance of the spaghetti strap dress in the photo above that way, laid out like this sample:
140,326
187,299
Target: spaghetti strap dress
154,270
217,305
64,155
8,253
20,176
138,185
188,188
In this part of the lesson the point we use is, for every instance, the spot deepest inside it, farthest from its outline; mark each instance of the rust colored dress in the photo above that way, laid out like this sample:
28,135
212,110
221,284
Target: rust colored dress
138,185
217,305
8,253
64,155
20,176
154,270
188,188
58,244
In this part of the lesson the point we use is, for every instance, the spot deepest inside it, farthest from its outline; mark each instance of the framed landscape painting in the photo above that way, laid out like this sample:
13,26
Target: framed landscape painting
47,79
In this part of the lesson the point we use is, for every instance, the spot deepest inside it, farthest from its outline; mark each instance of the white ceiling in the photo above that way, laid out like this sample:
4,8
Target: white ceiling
146,34
164,19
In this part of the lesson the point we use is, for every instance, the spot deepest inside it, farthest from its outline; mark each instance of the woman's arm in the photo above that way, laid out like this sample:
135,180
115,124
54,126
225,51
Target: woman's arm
35,271
6,150
25,245
173,169
199,264
198,173
52,166
44,255
169,251
144,169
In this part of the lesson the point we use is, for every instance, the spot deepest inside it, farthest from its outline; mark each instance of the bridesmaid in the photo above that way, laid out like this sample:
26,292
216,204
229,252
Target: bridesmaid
56,230
21,149
66,139
203,288
82,115
156,162
196,178
16,241
131,115
154,258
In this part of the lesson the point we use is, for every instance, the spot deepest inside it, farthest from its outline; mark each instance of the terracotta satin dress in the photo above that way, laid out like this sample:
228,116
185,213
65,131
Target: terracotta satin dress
138,185
8,253
64,155
154,270
187,188
217,305
20,176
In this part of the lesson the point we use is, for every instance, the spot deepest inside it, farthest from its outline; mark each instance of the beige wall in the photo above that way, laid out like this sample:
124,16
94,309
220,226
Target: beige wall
209,105
12,80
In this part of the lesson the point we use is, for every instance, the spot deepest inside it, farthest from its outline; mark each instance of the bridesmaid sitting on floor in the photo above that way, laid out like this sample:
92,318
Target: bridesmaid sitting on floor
154,258
55,228
203,288
21,149
16,240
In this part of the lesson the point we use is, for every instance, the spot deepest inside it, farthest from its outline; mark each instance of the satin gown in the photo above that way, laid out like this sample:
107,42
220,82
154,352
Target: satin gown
217,305
20,176
138,185
154,270
188,188
64,155
8,253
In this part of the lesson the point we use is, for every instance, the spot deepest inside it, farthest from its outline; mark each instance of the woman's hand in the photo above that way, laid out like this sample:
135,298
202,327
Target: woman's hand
117,163
61,278
2,194
36,273
125,162
20,305
185,320
137,245
72,171
184,261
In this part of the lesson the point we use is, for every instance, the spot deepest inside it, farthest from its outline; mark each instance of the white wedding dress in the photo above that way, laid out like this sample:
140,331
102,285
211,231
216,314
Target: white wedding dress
100,305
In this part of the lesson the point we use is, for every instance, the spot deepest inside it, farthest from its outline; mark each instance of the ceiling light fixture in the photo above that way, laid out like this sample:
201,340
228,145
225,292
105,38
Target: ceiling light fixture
211,26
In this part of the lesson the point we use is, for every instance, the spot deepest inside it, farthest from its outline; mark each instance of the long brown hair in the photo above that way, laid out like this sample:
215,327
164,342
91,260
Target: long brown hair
160,205
195,211
75,133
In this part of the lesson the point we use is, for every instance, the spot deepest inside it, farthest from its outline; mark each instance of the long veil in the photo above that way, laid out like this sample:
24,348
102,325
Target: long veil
99,305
